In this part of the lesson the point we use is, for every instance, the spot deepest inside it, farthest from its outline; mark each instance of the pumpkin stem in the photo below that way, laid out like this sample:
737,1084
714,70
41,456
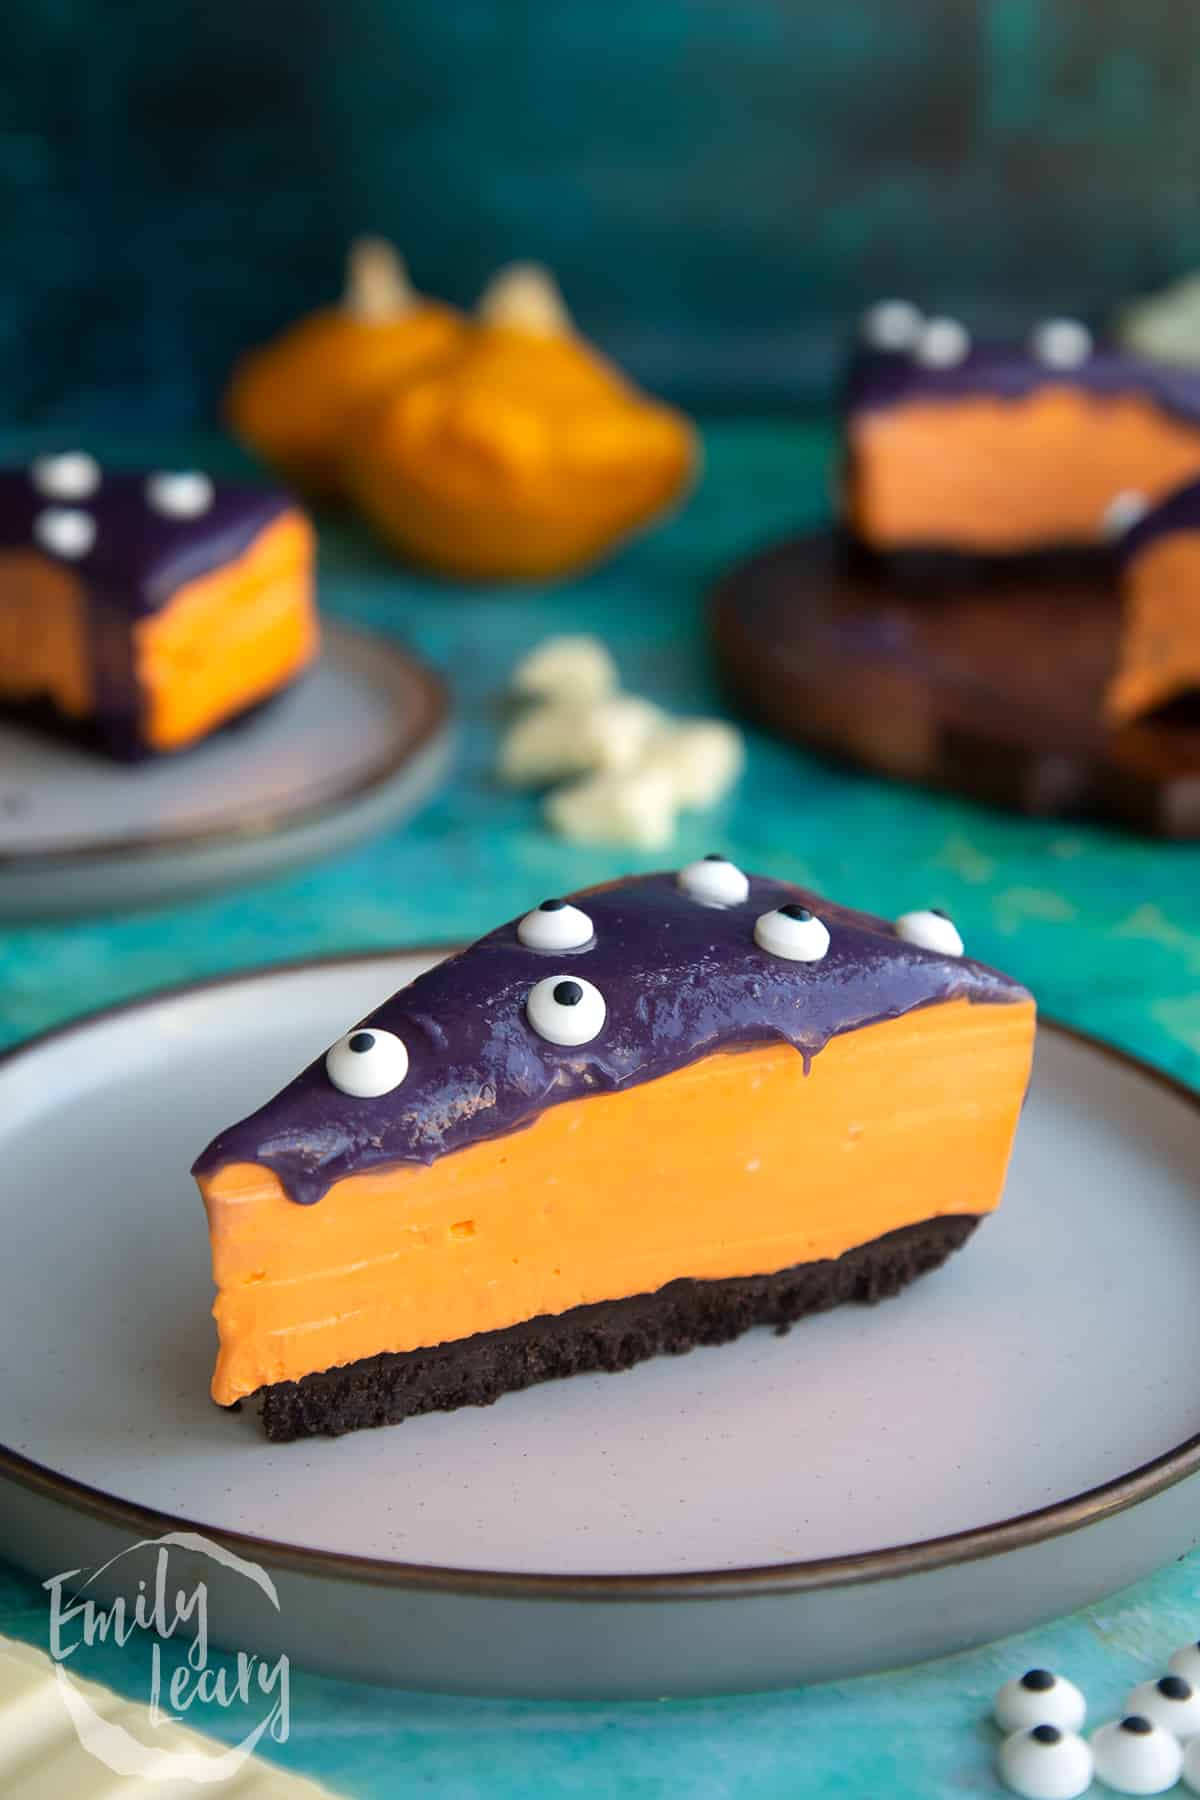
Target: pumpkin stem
377,284
525,297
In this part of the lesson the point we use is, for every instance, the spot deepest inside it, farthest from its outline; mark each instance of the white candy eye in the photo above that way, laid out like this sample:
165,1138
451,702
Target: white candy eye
565,1010
367,1063
1061,343
1136,1756
65,531
931,930
1123,512
792,932
942,344
1191,1766
73,475
714,881
891,325
1171,1702
555,925
180,494
1040,1697
1045,1763
1186,1662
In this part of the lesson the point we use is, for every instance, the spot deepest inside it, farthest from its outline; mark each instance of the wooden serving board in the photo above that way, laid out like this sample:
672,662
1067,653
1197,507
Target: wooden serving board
982,685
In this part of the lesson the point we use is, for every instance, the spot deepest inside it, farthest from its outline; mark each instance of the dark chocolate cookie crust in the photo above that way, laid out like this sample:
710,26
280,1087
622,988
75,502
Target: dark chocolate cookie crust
611,1335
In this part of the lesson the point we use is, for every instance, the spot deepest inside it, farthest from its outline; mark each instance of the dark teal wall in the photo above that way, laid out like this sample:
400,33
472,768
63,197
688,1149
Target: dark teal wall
720,182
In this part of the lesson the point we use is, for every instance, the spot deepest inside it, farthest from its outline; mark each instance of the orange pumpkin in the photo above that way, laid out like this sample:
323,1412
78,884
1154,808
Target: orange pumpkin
290,401
524,454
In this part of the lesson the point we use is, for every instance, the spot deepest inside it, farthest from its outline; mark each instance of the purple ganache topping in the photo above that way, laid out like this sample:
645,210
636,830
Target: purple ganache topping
680,980
883,378
140,555
1180,511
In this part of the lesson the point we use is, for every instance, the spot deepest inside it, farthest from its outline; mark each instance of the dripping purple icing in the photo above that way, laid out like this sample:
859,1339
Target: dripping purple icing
1179,512
680,980
141,556
883,378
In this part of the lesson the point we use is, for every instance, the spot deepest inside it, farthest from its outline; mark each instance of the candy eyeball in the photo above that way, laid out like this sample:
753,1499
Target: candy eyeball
1136,1756
1186,1662
891,325
72,475
555,925
180,494
714,881
792,932
1040,1698
930,930
367,1063
942,344
564,1009
1171,1702
1123,512
1044,1763
65,531
1061,343
1191,1766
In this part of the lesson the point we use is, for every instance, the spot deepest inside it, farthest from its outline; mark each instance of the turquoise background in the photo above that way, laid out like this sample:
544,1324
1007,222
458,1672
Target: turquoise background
1104,928
721,183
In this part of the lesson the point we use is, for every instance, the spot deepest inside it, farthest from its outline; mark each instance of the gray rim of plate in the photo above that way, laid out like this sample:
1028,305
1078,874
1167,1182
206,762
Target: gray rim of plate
1064,1516
430,713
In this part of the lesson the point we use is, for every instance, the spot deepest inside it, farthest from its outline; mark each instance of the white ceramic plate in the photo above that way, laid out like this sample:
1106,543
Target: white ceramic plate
357,743
760,1513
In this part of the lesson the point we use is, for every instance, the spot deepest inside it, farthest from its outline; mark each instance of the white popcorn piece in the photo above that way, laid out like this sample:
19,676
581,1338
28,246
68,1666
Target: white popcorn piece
542,745
556,740
1165,326
575,668
635,807
702,758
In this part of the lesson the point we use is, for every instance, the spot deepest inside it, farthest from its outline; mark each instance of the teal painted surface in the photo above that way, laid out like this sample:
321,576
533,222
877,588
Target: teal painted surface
1105,929
721,185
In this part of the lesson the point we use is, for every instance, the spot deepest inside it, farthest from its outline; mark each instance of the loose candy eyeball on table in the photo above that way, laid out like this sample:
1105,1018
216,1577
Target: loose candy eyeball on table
1039,1697
1171,1702
1044,1763
1133,1755
1186,1662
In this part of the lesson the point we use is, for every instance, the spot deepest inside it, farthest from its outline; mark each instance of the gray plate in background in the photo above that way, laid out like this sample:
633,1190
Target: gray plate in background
358,743
773,1511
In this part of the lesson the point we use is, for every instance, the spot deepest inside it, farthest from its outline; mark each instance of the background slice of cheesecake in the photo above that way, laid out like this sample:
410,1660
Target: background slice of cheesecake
674,1108
148,609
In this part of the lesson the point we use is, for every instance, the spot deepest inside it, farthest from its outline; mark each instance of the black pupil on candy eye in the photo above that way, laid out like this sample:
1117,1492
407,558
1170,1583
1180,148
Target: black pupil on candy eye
568,993
1174,1687
362,1040
1046,1734
796,912
1037,1681
1137,1725
552,905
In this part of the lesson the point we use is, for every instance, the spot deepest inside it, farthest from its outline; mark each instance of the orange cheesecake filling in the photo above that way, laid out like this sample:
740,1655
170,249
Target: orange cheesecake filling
229,638
44,653
738,1164
220,644
1008,475
1159,655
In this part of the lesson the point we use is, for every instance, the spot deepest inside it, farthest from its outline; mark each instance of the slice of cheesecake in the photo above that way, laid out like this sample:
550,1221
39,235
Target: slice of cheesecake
147,609
1158,652
646,1118
1000,449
